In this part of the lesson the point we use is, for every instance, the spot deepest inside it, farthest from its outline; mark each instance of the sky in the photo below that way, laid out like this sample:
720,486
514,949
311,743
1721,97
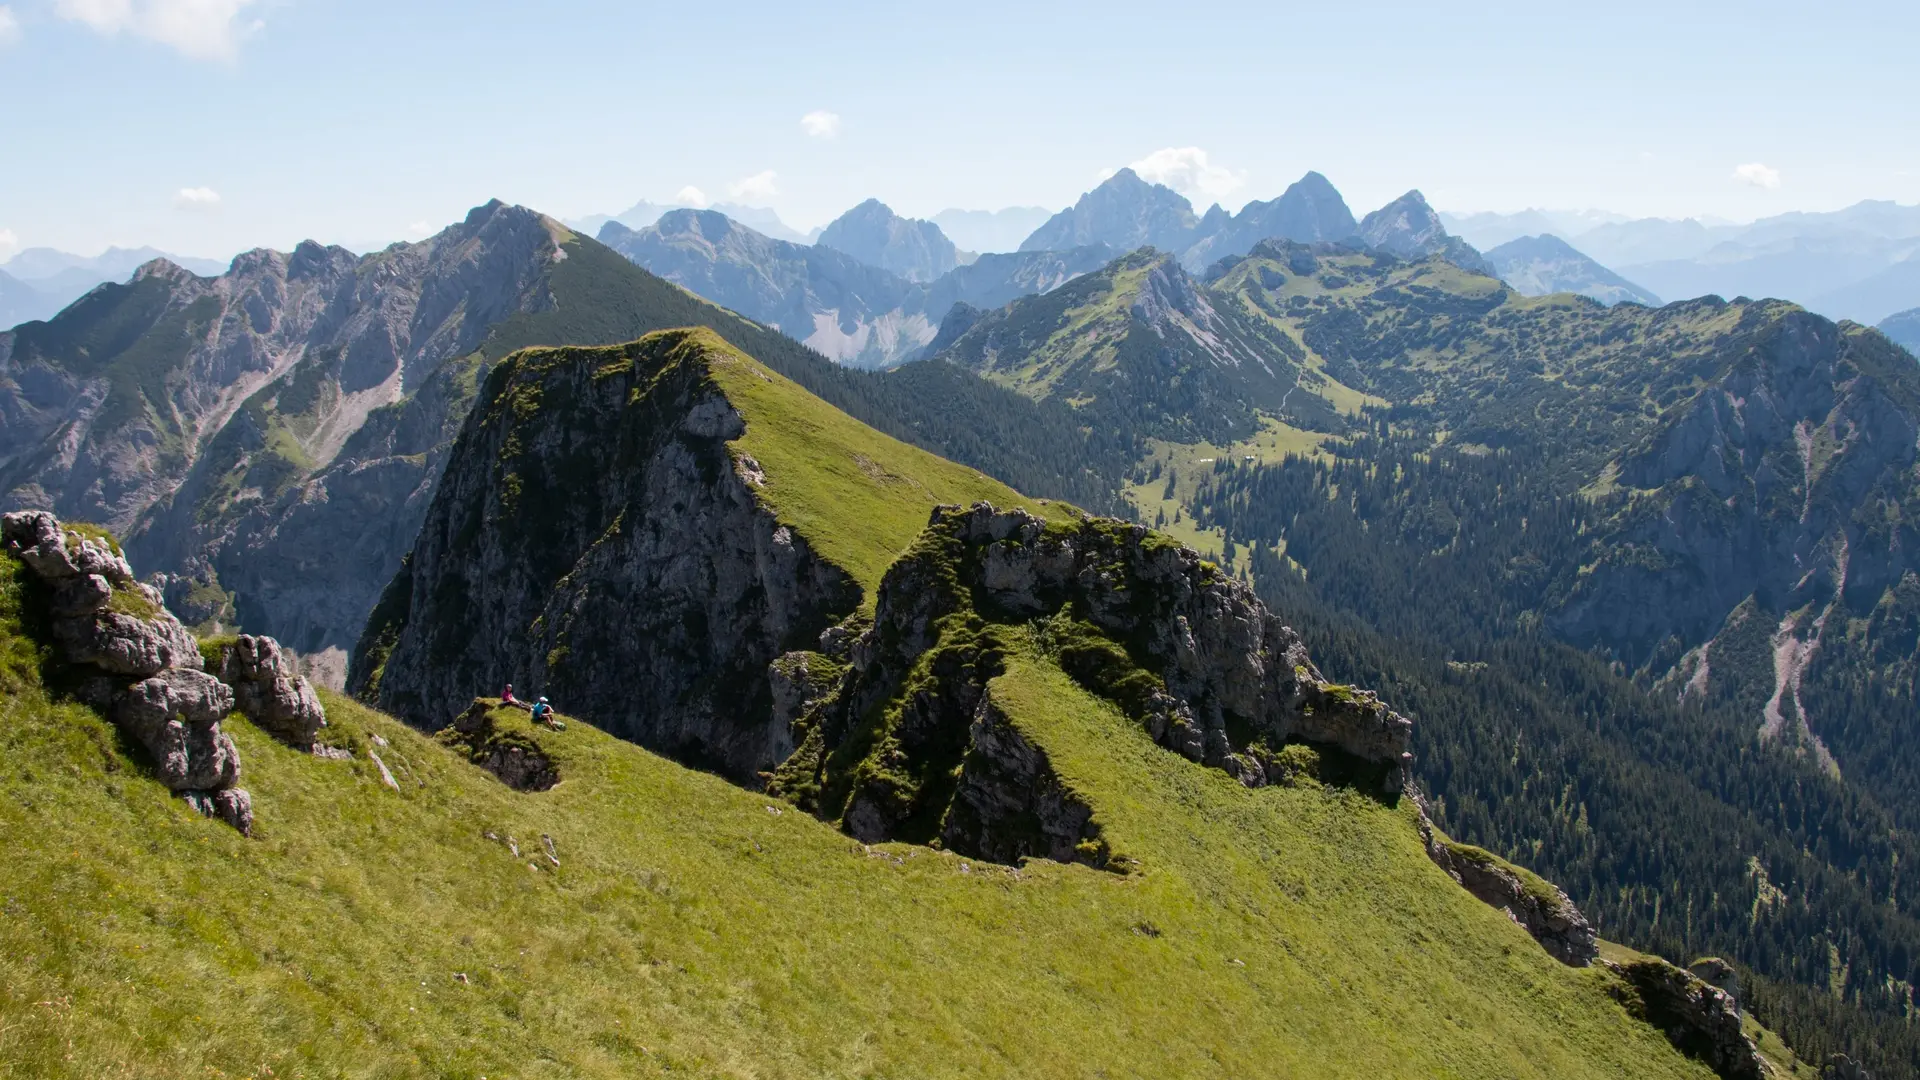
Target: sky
206,127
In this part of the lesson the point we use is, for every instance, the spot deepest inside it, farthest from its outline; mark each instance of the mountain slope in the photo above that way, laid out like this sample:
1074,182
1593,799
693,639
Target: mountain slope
874,234
1481,508
1876,296
20,302
842,307
1540,265
1140,347
648,919
1904,329
1124,212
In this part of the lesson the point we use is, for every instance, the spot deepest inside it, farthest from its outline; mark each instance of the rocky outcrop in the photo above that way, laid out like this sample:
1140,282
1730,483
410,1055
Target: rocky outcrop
1011,805
268,690
1536,905
596,540
1186,651
518,761
129,657
1701,1020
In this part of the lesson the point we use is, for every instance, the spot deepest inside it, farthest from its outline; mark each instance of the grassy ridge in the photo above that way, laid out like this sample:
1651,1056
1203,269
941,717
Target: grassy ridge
858,496
691,927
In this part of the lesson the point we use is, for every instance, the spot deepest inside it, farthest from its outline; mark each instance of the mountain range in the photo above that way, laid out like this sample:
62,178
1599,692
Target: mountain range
1904,328
37,282
1857,263
1624,566
852,311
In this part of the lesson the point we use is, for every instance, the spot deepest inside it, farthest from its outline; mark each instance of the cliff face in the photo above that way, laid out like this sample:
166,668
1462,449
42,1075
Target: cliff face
594,537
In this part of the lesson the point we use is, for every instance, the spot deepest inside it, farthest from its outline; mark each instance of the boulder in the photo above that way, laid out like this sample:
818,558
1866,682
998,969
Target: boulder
269,691
232,805
1701,1020
80,595
125,644
176,716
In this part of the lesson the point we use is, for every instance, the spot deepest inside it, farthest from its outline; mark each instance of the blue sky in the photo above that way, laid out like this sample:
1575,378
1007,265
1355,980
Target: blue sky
209,126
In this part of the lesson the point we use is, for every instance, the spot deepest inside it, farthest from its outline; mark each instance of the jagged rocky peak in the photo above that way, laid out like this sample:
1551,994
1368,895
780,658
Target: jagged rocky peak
1410,228
1124,212
871,232
1310,210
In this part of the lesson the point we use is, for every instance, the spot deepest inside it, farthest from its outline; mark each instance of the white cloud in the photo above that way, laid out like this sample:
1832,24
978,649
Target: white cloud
9,25
200,29
758,186
420,228
8,243
1186,170
196,198
694,197
821,124
1757,175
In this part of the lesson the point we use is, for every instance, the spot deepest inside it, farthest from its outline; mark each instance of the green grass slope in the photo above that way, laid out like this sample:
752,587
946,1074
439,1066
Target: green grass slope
859,496
684,926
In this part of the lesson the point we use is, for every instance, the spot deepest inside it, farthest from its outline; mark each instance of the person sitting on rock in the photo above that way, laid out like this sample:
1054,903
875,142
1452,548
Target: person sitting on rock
507,698
543,714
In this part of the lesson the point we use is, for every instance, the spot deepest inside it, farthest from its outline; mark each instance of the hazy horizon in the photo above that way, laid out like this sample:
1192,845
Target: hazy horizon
207,127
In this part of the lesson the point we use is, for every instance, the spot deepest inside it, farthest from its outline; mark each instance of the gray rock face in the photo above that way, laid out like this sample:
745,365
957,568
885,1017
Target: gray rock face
1224,658
141,670
871,232
268,690
1539,265
1539,907
1309,211
1124,212
517,762
1010,805
1701,1020
1409,228
637,581
176,715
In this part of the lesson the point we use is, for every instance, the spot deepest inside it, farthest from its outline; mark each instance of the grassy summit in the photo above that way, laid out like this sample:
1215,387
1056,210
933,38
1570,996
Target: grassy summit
691,927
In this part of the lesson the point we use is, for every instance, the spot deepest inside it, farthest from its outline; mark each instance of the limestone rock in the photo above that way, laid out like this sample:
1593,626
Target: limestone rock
1717,972
1537,906
655,591
1011,805
176,715
142,669
517,761
1842,1067
232,805
80,595
268,689
1701,1020
127,644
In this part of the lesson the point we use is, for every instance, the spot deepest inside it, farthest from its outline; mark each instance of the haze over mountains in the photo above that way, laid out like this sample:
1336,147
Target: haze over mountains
1860,263
37,282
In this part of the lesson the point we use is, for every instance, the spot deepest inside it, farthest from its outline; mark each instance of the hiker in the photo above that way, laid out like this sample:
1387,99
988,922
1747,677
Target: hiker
507,698
543,714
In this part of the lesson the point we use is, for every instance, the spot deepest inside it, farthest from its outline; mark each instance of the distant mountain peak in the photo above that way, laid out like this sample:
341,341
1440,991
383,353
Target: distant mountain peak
871,232
1409,228
1123,211
1539,265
